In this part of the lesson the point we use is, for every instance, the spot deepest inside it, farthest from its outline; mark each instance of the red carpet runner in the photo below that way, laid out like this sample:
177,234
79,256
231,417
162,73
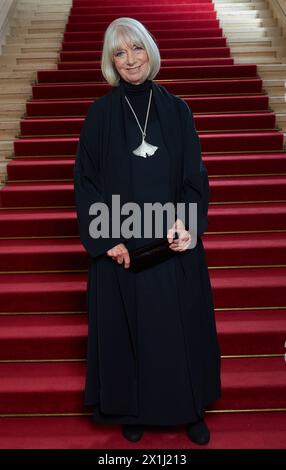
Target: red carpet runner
43,322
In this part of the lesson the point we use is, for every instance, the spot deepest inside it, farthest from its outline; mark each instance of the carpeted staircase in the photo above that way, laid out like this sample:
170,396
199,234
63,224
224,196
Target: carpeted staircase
43,266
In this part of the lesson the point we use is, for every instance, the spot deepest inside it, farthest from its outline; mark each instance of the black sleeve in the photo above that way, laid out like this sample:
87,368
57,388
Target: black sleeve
195,188
87,183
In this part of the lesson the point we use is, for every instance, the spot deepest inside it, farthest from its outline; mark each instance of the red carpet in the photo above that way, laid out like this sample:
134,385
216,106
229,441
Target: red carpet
43,266
230,431
241,332
56,387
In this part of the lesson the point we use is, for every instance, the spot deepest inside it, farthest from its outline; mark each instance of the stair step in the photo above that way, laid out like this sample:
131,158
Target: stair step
35,29
39,292
152,25
234,21
245,249
15,88
239,288
9,124
258,382
226,14
216,104
81,432
50,168
40,337
184,53
164,15
272,82
17,76
204,123
251,29
192,87
164,43
48,336
222,250
31,67
257,59
49,10
53,108
257,49
261,35
246,217
226,164
245,164
247,384
102,9
24,49
42,21
221,142
42,255
83,35
236,40
223,189
6,147
166,72
62,222
251,332
164,62
29,38
14,98
33,55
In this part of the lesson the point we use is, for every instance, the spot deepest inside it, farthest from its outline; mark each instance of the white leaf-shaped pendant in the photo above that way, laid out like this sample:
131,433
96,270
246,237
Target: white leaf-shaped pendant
145,149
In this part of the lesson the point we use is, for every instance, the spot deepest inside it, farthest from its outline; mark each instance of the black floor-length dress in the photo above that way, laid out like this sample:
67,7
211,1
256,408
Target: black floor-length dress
165,390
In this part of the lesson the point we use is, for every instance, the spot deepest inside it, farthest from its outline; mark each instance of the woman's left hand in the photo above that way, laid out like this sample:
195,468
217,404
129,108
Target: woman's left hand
184,240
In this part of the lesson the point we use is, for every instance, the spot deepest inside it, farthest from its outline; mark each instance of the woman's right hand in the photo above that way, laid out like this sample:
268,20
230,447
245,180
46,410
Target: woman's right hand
184,240
120,253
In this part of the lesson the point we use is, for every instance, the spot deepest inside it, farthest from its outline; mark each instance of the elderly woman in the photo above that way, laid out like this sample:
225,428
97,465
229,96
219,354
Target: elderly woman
153,357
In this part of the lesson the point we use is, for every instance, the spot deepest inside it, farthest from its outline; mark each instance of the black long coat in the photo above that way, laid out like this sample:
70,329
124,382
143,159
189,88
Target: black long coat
101,170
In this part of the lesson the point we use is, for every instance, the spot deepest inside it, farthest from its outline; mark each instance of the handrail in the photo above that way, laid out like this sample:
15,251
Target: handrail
278,8
283,10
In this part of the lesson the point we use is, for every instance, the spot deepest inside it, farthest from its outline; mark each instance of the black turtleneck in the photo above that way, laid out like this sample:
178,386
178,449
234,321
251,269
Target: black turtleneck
138,96
132,89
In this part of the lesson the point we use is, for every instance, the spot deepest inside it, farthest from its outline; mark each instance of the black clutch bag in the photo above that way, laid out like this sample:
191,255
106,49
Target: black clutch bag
151,254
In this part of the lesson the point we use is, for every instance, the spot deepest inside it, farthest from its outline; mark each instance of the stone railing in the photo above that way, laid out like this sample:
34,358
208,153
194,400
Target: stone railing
6,10
278,8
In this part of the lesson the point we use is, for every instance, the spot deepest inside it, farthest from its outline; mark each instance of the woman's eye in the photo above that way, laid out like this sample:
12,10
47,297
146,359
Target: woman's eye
120,53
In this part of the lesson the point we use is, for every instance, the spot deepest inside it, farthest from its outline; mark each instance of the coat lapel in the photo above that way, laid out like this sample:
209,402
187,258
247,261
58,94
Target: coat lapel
169,123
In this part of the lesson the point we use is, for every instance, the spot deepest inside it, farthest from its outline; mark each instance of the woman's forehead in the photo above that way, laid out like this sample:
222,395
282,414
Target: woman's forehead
125,41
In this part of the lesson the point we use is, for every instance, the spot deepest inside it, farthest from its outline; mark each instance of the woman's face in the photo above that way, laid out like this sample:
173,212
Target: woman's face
132,63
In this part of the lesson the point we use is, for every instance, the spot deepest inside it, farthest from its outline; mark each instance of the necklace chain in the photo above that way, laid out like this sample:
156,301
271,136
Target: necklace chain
143,132
145,149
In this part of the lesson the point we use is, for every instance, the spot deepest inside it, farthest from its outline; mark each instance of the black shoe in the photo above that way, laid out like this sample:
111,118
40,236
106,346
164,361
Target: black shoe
132,432
198,432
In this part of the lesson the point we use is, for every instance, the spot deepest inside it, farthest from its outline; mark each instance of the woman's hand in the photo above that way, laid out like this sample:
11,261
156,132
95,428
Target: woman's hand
120,253
184,240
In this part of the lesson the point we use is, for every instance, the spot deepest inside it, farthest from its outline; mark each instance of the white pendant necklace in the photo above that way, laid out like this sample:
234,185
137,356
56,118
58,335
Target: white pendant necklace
145,149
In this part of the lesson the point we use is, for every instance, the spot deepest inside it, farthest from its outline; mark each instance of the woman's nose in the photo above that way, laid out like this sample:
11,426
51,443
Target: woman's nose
130,58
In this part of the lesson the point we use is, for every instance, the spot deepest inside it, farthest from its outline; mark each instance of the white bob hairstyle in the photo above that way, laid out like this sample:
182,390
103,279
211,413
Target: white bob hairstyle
131,31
